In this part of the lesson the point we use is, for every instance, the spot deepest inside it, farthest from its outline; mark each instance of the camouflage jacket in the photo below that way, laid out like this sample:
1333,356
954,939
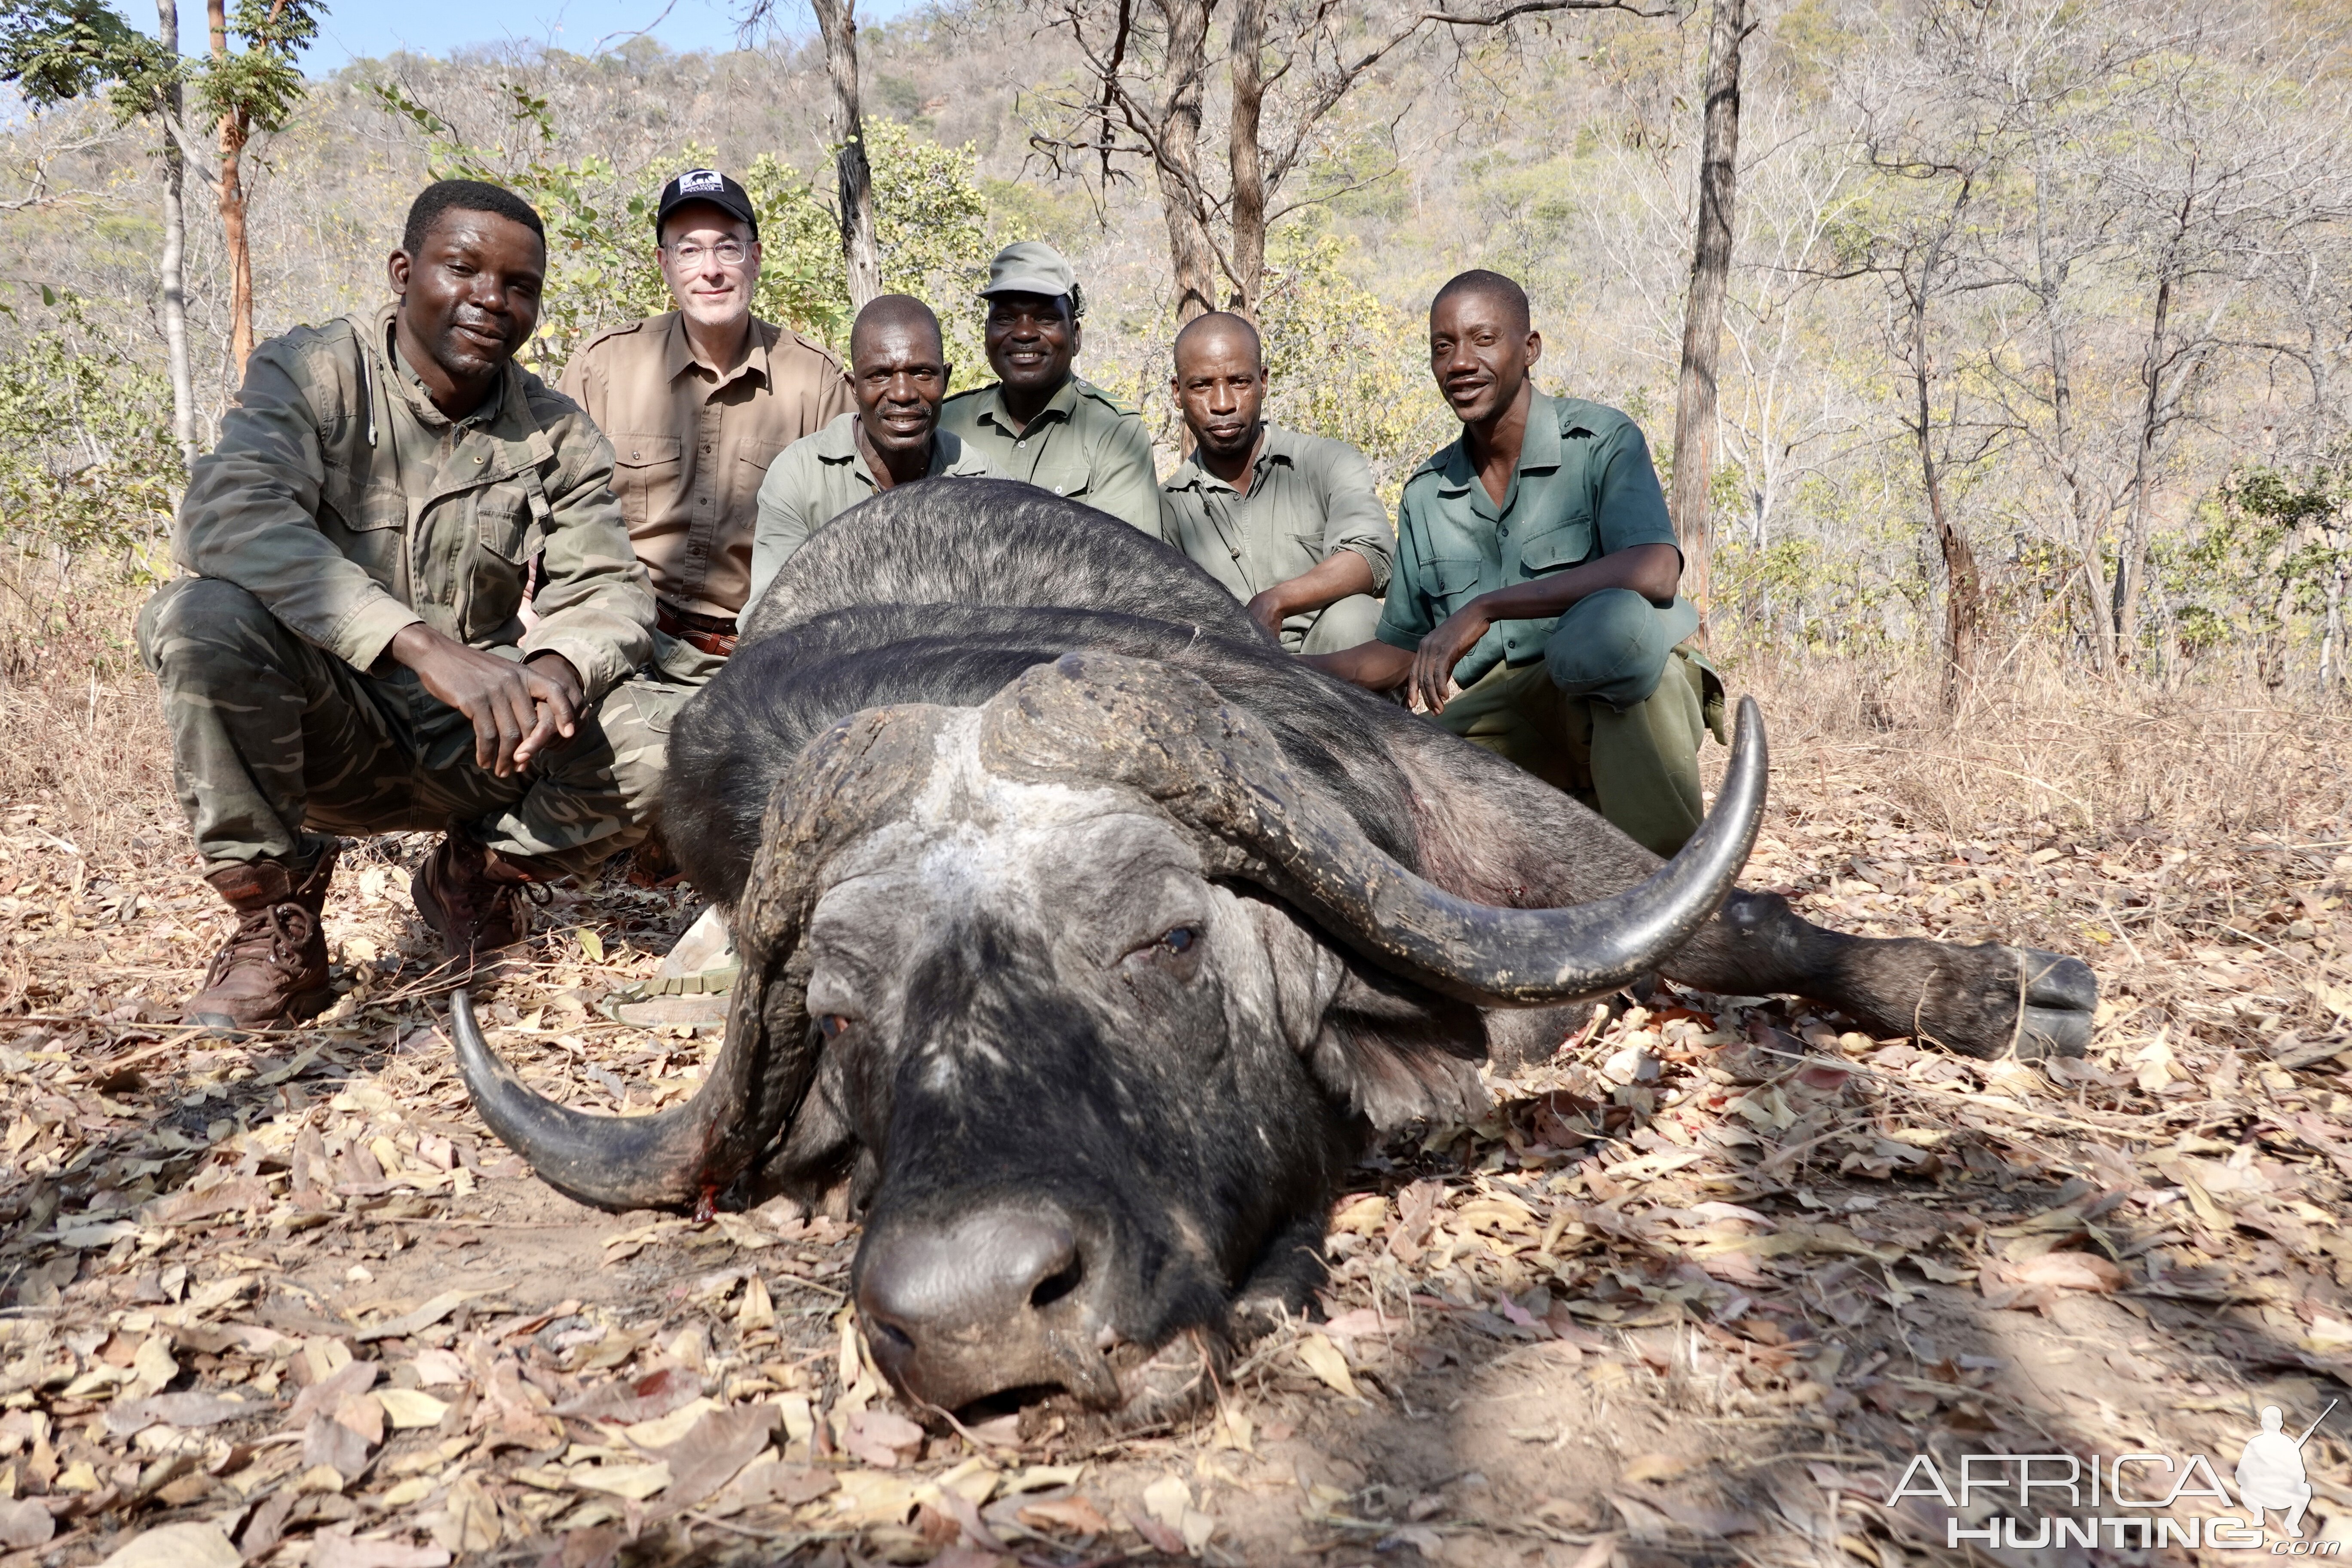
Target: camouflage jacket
351,507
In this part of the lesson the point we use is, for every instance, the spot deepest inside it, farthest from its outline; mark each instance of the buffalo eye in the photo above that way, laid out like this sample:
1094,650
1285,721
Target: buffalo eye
1175,952
831,1026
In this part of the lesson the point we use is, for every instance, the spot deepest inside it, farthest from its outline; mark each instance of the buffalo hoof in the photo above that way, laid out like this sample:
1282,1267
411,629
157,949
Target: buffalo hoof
2061,998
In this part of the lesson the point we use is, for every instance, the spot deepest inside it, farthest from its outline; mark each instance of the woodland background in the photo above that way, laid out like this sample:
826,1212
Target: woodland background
2076,274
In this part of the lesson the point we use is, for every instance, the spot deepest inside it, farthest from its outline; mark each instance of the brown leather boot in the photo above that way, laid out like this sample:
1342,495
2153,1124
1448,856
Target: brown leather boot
273,970
478,898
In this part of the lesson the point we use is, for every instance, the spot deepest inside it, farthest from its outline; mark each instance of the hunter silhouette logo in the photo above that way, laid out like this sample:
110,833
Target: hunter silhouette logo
2270,1472
2139,1499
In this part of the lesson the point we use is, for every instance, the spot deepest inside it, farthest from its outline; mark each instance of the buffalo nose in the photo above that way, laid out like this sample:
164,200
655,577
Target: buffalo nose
979,1304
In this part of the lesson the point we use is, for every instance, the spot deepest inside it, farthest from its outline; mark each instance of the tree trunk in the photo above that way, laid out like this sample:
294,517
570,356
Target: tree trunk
2089,520
861,253
1179,147
174,267
233,130
1695,395
1249,176
1962,591
2131,550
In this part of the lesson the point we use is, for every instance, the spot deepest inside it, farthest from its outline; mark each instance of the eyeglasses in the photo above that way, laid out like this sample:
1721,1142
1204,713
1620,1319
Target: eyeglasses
727,253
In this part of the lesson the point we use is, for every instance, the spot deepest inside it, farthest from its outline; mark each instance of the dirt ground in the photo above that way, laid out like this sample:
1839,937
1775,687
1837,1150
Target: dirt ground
1698,1290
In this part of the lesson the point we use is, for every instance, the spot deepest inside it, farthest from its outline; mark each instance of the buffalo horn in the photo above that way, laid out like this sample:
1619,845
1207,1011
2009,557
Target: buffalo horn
1221,772
853,775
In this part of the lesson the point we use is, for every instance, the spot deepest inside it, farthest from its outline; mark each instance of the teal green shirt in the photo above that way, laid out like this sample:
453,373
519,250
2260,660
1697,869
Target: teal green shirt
1584,488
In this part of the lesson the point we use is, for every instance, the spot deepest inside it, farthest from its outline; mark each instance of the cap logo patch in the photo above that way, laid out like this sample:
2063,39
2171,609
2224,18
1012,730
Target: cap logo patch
696,180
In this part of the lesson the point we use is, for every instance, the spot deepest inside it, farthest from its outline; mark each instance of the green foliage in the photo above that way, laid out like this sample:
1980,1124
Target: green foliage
260,84
54,50
2269,565
58,50
600,228
1343,363
87,459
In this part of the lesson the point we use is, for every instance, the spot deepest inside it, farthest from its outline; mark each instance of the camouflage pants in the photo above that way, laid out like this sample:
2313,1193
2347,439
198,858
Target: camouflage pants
274,741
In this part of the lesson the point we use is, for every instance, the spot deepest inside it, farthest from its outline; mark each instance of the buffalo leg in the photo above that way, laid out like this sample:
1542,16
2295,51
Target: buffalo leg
1985,1001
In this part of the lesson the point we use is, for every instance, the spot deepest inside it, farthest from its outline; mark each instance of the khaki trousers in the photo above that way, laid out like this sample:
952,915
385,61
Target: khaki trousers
1638,768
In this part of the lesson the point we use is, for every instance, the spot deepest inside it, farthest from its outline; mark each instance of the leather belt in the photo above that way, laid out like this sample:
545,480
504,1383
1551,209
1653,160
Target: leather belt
713,635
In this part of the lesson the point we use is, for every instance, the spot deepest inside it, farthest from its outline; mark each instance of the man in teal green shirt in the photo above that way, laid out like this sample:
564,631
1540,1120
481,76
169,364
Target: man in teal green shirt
1532,608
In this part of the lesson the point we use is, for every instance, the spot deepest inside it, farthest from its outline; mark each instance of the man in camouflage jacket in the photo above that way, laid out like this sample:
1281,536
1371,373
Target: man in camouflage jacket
347,651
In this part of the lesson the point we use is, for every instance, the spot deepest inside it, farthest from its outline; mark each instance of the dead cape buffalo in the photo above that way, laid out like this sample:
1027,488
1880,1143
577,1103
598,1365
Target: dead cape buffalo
1086,937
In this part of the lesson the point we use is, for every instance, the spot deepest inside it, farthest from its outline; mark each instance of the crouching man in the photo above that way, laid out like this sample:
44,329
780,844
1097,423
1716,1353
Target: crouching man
346,656
1534,606
1290,522
899,372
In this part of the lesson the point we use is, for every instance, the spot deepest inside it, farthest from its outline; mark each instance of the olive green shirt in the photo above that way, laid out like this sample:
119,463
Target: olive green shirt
1308,498
340,497
1584,488
1084,443
822,475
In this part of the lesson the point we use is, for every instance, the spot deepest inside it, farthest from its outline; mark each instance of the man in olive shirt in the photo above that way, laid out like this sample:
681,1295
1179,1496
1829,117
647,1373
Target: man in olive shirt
1038,421
344,652
1305,543
1533,608
898,373
697,401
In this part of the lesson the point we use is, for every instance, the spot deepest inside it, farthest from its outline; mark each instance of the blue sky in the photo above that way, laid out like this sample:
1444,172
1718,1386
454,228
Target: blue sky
361,28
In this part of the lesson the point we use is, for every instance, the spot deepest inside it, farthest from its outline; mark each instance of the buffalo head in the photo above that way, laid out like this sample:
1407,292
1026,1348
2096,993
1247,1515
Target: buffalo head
1088,994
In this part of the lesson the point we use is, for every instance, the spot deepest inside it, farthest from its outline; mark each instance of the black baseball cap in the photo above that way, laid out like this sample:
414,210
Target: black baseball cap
706,185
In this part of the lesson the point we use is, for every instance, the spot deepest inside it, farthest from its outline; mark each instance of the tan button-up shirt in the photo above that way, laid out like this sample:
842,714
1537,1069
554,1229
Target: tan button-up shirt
690,446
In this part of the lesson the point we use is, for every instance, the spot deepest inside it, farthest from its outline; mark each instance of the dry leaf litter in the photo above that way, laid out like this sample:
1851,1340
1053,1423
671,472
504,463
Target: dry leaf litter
1694,1292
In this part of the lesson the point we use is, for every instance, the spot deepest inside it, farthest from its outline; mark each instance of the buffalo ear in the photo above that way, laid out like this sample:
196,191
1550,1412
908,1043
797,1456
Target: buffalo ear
1388,1049
1397,1054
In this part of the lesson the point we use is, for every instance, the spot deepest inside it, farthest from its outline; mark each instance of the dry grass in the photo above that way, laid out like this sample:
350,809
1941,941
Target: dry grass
1691,1295
81,734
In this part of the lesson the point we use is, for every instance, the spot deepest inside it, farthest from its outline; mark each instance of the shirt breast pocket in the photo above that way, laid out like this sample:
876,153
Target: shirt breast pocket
367,522
757,455
509,529
1455,583
1063,476
1558,548
644,466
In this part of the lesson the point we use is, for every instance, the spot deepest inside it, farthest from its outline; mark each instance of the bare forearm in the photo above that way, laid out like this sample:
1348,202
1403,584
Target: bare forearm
1374,665
1652,571
1342,574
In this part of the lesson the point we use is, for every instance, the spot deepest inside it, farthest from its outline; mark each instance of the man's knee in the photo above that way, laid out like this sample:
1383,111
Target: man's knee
202,627
1344,624
622,751
1613,645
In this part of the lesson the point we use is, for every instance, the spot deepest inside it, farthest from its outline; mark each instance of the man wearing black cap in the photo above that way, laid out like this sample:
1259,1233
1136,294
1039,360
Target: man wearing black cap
1040,421
697,401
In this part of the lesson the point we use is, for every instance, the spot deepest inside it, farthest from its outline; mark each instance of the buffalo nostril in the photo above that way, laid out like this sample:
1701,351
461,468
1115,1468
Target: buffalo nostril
1058,1284
965,1306
977,1271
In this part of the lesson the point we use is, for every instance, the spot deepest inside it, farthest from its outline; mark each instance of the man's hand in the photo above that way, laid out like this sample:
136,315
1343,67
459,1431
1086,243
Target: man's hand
1440,651
1338,574
517,710
1268,610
